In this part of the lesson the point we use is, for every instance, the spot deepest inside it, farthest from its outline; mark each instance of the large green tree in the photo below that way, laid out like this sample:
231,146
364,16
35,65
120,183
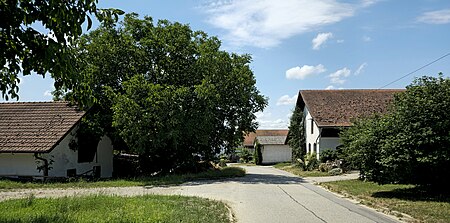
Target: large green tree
411,144
24,49
168,91
296,135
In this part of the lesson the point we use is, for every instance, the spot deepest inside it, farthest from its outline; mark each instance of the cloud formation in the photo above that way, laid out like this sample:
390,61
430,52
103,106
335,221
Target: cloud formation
304,71
286,100
320,39
360,68
435,17
338,76
266,23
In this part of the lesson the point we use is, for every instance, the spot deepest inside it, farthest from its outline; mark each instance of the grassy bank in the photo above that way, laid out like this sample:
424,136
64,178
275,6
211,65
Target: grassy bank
422,204
149,208
226,172
297,171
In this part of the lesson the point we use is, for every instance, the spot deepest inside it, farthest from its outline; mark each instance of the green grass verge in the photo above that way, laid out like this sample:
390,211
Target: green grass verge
226,172
297,171
421,204
101,208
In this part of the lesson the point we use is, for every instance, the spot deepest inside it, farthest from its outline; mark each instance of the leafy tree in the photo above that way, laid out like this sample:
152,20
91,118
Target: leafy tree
168,91
411,144
258,154
296,135
25,49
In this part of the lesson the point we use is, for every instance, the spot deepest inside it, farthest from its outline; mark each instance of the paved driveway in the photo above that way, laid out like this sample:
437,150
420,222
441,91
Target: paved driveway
265,194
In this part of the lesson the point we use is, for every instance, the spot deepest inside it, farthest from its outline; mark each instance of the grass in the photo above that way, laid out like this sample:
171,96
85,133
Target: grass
101,208
423,205
226,172
297,171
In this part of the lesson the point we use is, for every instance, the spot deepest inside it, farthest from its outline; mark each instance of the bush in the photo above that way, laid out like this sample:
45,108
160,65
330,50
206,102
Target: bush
244,155
258,154
323,167
311,162
335,171
410,144
328,155
300,164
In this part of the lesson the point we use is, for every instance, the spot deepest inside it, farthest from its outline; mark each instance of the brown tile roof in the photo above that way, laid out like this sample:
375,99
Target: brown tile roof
339,107
249,139
35,126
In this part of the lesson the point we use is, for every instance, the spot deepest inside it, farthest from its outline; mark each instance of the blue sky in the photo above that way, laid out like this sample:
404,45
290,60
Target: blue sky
305,44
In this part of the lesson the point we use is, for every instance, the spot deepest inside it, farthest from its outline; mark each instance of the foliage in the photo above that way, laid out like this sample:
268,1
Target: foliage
421,204
168,92
244,155
102,208
23,49
171,179
302,173
328,155
323,167
258,154
296,135
411,144
311,162
335,171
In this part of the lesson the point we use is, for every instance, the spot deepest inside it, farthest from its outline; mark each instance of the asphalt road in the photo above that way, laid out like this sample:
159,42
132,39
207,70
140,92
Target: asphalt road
264,195
267,194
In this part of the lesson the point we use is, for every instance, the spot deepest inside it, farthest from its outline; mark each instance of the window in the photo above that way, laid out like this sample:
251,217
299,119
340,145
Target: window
312,126
309,147
315,148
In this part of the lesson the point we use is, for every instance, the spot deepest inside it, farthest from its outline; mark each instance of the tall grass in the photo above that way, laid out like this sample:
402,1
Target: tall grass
101,208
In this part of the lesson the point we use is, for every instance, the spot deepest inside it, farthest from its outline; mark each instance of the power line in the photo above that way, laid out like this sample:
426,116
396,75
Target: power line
420,68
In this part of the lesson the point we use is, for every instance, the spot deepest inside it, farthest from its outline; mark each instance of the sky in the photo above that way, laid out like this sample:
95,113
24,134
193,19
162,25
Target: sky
307,44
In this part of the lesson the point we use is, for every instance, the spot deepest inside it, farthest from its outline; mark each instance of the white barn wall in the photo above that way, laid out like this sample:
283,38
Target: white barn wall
311,138
276,153
18,164
64,158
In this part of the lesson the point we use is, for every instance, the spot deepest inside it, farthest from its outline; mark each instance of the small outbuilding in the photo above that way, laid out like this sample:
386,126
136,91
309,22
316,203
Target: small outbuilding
273,147
35,138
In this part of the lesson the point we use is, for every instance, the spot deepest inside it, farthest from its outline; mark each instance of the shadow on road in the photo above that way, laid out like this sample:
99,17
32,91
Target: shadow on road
252,179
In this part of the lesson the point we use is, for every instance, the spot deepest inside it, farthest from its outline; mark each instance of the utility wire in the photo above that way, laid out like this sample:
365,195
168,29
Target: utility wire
420,68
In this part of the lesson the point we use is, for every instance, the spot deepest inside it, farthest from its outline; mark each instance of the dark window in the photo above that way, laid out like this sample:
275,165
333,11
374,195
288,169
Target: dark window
312,126
315,147
330,132
309,147
86,152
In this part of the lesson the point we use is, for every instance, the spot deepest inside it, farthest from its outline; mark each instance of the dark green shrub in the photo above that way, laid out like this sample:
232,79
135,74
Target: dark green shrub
258,154
328,155
244,155
335,171
311,162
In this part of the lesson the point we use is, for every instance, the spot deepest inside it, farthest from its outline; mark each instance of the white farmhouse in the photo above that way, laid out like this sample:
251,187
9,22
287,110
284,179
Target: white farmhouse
34,135
326,111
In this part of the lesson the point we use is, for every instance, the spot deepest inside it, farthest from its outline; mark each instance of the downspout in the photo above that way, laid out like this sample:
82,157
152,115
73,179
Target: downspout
45,169
317,141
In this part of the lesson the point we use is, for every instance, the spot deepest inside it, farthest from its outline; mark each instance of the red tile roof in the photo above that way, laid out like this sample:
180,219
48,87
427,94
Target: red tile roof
35,126
335,108
249,139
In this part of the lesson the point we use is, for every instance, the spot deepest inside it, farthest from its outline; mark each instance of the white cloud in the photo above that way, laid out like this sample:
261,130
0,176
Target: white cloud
48,93
339,41
266,23
338,76
367,39
304,71
286,100
360,68
435,17
273,124
330,87
320,39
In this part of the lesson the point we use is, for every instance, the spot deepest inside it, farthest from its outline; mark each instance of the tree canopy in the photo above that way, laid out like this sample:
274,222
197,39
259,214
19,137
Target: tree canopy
411,144
169,92
24,49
